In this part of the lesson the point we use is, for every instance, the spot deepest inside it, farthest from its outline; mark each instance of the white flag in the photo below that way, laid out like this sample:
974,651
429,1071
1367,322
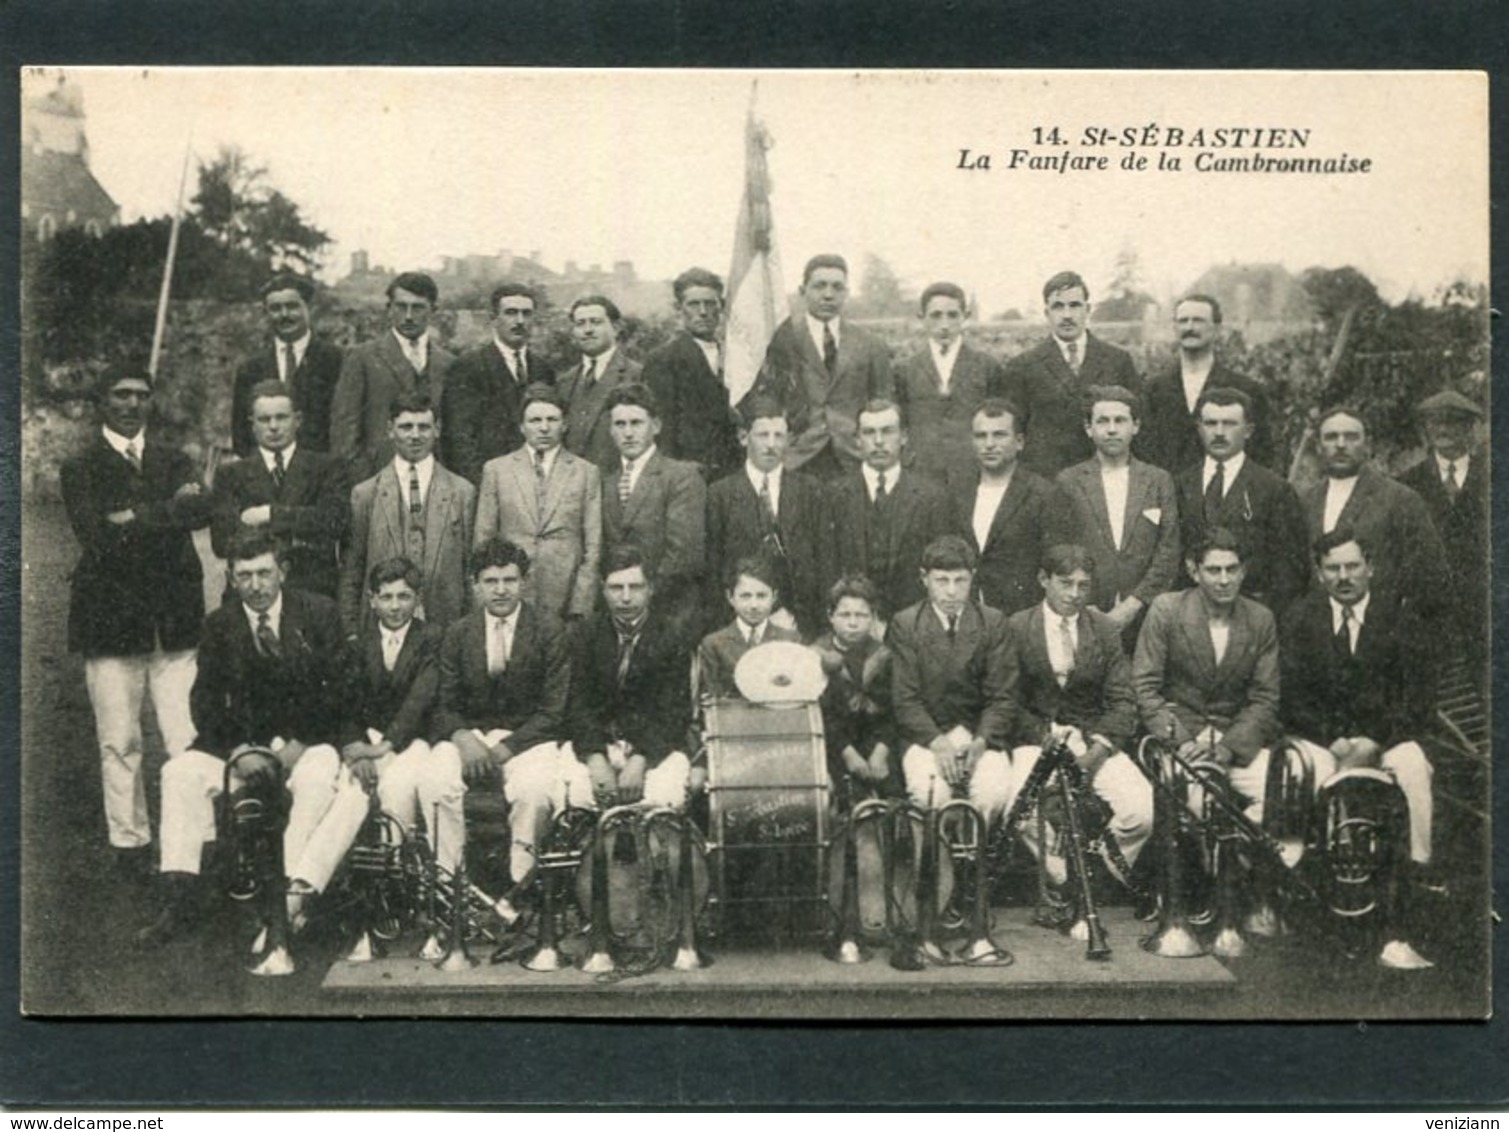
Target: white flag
755,287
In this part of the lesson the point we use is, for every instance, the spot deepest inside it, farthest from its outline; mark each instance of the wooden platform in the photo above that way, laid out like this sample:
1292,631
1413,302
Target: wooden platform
801,983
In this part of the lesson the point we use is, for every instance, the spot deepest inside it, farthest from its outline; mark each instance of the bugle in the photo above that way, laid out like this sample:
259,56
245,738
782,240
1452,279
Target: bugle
1173,938
847,945
258,813
566,843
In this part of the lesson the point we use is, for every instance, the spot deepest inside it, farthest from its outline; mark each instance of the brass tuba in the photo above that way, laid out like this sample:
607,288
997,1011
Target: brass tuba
566,844
848,943
1173,938
257,813
1364,834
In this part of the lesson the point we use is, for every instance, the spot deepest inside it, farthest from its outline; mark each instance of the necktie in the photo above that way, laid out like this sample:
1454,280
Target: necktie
290,363
589,372
415,350
267,640
767,504
497,655
626,642
1215,492
1066,643
625,481
953,628
133,456
520,367
754,635
880,495
539,481
1344,633
1072,350
416,503
1452,486
389,651
279,469
830,351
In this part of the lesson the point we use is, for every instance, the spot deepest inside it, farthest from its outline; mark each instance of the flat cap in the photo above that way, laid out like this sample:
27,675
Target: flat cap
1448,403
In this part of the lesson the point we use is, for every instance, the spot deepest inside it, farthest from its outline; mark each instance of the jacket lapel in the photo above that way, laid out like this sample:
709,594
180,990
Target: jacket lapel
390,503
1367,485
648,484
1196,626
436,515
1010,502
555,487
1094,490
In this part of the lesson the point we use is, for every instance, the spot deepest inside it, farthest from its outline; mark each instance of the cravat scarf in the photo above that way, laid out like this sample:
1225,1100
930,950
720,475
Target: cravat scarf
267,640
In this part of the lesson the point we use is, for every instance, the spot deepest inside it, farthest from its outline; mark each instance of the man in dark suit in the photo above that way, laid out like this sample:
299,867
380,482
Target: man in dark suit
1008,514
137,594
941,386
1228,490
480,416
764,509
1126,511
1408,561
407,359
291,492
1049,382
595,324
1072,678
273,672
307,364
1206,670
821,369
885,515
1453,482
630,711
657,504
1169,437
686,376
953,688
505,673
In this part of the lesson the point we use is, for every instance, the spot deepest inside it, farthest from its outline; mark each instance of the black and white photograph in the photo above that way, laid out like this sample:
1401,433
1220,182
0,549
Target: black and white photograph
755,544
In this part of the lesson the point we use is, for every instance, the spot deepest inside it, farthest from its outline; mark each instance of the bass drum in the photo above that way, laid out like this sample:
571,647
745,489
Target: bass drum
642,854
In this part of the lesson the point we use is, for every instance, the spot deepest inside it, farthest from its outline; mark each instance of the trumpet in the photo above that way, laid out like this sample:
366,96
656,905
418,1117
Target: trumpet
565,845
965,834
444,893
383,873
456,957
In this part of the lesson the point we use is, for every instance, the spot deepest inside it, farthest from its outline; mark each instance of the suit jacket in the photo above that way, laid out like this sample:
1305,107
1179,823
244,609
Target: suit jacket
379,514
1146,562
802,552
1408,559
563,540
1463,528
719,654
1178,681
856,703
241,696
482,410
372,375
1051,399
1033,515
665,516
1381,691
140,582
696,422
939,437
1264,513
650,708
400,703
308,513
823,411
919,512
940,684
313,387
528,697
1169,439
1098,697
588,430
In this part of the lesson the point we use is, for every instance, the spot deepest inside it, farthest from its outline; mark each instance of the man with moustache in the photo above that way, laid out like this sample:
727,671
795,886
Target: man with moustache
686,377
1049,382
480,413
407,359
1170,439
305,362
595,325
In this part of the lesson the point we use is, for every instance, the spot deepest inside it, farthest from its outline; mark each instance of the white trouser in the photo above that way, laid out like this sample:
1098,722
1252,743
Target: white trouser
992,785
1412,770
665,784
117,686
536,784
1120,785
413,782
1249,783
192,781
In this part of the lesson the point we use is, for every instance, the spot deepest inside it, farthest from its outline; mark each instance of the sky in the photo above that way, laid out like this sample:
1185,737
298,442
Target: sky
598,166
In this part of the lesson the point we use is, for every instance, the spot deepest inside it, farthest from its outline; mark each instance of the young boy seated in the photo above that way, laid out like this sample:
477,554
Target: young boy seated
753,594
856,703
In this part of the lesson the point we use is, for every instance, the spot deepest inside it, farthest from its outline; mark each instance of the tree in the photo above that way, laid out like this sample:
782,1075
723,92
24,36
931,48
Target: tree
235,205
1125,299
1334,291
880,294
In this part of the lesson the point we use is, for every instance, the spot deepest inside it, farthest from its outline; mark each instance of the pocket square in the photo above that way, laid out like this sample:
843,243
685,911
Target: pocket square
1153,515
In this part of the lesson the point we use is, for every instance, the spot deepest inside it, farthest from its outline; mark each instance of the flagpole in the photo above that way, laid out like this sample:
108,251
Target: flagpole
161,324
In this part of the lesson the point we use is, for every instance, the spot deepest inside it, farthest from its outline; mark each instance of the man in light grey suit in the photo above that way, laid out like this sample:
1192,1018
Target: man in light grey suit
407,359
595,322
412,508
548,501
1126,512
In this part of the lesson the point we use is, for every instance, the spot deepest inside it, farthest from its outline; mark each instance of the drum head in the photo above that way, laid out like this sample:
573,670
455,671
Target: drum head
780,673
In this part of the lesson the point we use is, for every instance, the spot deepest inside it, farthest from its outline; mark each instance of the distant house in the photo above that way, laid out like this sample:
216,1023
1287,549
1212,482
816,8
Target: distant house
58,190
1256,293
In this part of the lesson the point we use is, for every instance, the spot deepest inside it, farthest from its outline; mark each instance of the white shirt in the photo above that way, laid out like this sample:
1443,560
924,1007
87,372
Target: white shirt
270,458
426,469
753,634
1061,663
1194,375
274,617
300,346
943,618
872,479
1359,615
415,349
600,363
126,444
1220,637
392,644
635,467
1078,343
1338,492
1459,466
500,631
511,356
988,498
536,458
944,362
711,352
756,477
1233,469
1116,482
815,329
